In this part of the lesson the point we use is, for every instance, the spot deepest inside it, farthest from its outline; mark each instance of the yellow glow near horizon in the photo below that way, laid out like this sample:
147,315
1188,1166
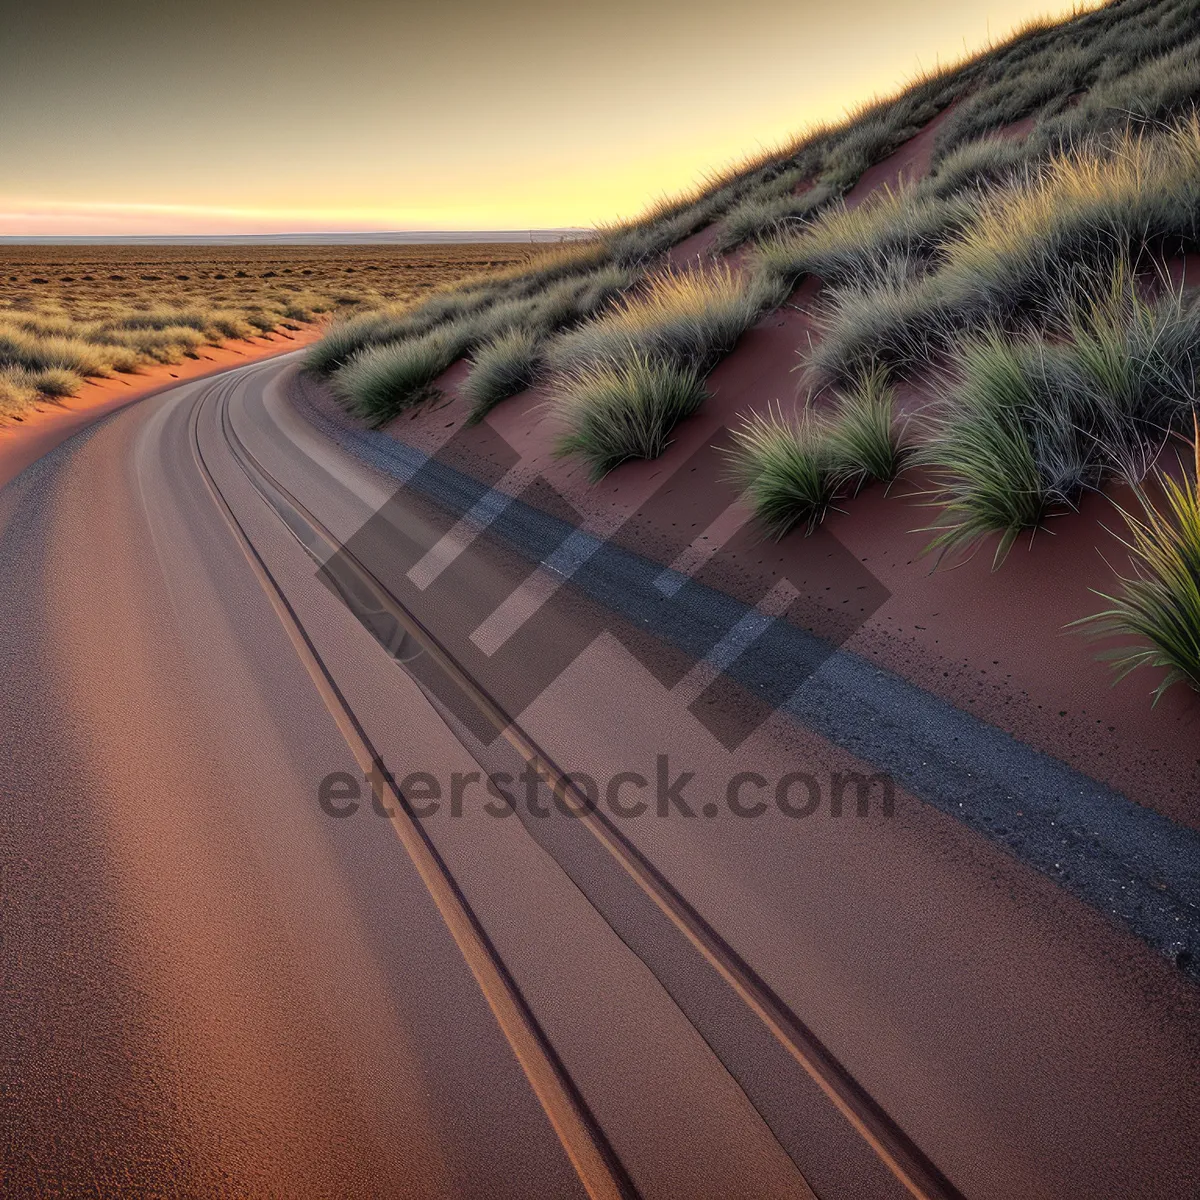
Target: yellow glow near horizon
509,116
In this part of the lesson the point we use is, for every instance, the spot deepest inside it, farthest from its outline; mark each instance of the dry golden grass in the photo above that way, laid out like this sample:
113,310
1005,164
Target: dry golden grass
683,317
67,312
89,282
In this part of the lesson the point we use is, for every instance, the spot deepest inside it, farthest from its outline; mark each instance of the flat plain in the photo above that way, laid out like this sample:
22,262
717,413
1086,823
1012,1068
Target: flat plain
68,312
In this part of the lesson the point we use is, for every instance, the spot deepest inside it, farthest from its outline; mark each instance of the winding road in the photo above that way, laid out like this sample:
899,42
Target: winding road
349,852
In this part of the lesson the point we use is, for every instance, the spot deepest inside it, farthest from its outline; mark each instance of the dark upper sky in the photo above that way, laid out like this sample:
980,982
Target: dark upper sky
130,116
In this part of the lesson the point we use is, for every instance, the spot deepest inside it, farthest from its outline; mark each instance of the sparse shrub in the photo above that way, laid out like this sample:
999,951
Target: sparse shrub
506,365
617,411
786,469
1159,603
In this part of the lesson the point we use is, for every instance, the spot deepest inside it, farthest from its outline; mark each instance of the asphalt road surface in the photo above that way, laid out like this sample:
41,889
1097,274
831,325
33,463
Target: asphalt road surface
267,932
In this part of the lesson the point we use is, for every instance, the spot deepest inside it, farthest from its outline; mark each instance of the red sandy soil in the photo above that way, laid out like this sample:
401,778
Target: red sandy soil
990,641
51,422
904,165
693,251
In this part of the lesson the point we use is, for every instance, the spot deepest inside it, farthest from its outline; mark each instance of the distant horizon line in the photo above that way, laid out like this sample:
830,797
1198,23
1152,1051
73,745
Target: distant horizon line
344,238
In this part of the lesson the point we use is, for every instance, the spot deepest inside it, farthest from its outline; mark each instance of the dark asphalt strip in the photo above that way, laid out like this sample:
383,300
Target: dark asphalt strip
1130,863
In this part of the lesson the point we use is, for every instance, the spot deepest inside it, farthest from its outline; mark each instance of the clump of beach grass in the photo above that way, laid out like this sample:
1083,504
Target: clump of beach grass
688,318
392,324
986,162
618,411
1030,423
761,217
856,244
1090,208
1159,604
1082,214
506,365
381,381
865,440
786,468
983,452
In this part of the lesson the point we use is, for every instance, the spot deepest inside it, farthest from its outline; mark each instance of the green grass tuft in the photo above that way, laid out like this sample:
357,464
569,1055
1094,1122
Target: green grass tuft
506,365
865,440
1160,603
381,381
786,469
984,450
617,411
688,318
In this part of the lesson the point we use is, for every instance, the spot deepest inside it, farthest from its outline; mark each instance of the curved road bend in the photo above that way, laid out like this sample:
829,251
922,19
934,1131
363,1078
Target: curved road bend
212,986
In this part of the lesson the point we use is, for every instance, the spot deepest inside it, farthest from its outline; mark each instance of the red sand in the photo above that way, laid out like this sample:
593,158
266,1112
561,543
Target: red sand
991,642
693,251
904,165
51,422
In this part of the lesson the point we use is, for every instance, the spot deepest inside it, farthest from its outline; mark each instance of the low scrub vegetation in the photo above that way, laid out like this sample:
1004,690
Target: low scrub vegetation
866,441
764,216
1022,280
1156,611
21,388
1078,216
786,470
613,412
381,381
70,312
1004,453
1118,61
986,163
687,318
1090,208
506,365
1030,424
868,242
792,470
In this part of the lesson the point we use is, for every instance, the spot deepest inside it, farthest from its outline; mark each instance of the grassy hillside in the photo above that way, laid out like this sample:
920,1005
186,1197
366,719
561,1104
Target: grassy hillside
1028,287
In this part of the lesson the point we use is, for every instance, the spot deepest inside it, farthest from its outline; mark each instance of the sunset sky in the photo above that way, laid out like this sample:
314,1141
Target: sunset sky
127,117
